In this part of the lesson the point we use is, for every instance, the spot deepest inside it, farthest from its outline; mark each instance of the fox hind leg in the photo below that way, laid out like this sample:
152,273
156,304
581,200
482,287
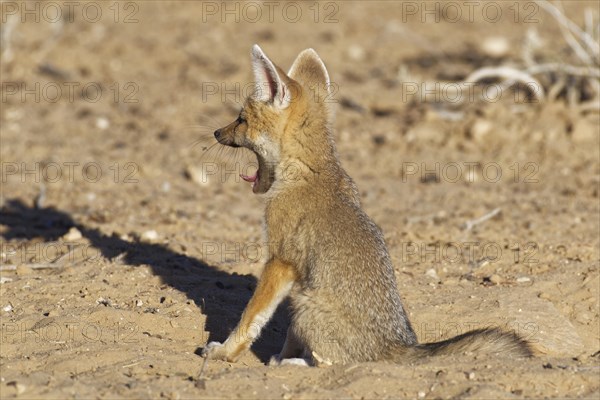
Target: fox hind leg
292,350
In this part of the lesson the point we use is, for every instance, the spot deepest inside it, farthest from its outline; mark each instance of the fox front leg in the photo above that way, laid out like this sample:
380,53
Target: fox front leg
274,285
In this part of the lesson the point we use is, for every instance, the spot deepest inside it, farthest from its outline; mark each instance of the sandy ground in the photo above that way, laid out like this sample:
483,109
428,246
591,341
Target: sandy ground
126,246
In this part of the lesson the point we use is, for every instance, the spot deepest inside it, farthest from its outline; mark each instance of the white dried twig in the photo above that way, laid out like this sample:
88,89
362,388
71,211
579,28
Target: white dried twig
588,72
592,45
6,33
471,223
508,74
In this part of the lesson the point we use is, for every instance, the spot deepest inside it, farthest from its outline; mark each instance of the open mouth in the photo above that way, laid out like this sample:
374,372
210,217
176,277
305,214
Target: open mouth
263,178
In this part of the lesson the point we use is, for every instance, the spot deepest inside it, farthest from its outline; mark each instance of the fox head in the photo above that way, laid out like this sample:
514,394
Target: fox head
285,121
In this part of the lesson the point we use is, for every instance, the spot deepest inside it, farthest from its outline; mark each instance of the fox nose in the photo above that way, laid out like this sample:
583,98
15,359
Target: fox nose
217,134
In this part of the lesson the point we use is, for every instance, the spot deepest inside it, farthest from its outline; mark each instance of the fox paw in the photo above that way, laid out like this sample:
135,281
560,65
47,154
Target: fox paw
215,351
277,361
274,361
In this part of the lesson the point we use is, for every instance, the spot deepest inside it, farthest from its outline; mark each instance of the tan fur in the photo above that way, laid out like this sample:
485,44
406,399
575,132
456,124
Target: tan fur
275,283
324,249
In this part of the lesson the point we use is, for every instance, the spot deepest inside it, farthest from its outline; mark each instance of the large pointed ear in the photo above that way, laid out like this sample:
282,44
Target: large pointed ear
270,87
309,70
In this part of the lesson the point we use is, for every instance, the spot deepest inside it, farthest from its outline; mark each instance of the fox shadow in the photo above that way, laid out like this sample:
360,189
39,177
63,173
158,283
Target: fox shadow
221,296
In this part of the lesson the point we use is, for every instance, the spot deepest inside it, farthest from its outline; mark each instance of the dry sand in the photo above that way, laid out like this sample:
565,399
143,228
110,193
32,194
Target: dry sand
167,248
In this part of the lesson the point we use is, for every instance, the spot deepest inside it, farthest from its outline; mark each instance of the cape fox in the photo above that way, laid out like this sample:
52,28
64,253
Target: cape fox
326,254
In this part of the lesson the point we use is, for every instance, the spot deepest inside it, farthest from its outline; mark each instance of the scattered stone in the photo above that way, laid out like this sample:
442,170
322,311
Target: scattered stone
523,279
583,317
150,235
495,46
53,313
421,394
432,274
139,303
450,281
496,279
480,129
104,302
23,269
197,175
72,235
19,387
356,53
584,131
4,279
544,296
102,123
7,308
471,375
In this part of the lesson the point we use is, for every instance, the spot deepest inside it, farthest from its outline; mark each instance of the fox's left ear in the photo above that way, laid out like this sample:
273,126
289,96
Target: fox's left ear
309,70
270,87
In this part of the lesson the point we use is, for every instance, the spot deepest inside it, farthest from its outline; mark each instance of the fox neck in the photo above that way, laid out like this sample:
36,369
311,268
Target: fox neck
309,157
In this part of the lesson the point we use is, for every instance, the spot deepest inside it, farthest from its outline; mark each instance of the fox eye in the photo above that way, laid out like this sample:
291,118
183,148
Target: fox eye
240,120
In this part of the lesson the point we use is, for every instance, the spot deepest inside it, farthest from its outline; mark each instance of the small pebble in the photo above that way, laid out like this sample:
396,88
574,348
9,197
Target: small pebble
150,235
23,269
72,235
481,128
421,394
471,375
102,123
496,279
583,317
198,175
7,308
523,279
103,301
432,274
356,53
19,387
544,296
495,46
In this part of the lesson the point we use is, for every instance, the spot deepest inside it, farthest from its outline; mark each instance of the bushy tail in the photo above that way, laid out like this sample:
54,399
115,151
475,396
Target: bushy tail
491,340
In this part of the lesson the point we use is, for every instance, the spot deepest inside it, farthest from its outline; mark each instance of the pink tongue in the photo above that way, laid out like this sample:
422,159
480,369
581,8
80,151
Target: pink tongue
249,178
